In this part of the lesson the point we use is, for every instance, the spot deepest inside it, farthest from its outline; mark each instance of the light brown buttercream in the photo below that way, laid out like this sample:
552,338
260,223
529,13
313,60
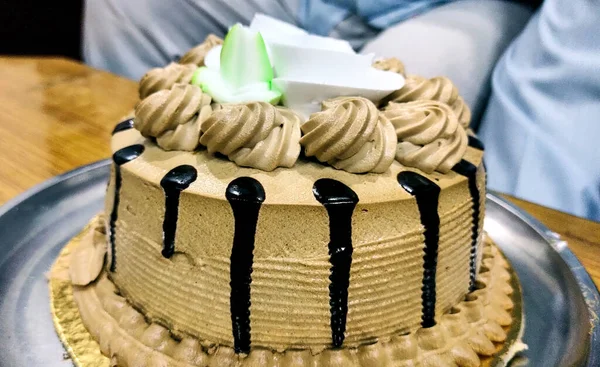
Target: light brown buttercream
439,89
350,134
256,134
392,64
196,55
468,330
185,136
429,135
173,116
87,261
164,78
290,296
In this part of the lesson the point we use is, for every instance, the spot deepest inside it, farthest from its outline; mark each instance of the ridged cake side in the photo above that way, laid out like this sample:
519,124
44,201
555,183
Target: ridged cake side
190,291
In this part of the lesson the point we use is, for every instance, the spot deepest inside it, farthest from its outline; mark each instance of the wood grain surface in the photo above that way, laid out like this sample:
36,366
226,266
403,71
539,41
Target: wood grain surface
57,114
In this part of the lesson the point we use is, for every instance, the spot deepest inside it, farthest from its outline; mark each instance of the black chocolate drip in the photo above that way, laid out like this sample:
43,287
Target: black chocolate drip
174,182
467,169
339,200
427,194
122,126
245,195
475,143
120,157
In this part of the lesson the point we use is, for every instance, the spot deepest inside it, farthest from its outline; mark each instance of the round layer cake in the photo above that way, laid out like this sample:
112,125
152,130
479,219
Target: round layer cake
264,214
310,257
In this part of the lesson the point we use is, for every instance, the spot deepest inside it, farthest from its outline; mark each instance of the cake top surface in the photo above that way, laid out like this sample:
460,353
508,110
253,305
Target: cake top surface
282,186
271,95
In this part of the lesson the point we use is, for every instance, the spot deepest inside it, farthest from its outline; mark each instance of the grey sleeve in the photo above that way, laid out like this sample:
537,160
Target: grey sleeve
128,37
461,40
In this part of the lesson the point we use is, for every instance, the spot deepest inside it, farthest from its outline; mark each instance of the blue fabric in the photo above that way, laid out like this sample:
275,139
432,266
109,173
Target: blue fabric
321,16
384,13
542,125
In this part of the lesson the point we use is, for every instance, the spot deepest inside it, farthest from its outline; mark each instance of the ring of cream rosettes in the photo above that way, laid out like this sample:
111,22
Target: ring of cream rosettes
422,125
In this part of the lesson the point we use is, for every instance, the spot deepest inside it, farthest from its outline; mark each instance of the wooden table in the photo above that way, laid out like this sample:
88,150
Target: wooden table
57,114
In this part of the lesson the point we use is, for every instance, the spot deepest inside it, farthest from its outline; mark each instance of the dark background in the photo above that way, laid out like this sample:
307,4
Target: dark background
41,27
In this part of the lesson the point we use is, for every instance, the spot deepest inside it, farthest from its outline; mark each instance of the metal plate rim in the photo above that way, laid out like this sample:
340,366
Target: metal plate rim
586,286
17,200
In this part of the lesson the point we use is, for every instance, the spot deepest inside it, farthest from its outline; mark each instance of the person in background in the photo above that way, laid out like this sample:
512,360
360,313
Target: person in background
538,126
541,128
460,39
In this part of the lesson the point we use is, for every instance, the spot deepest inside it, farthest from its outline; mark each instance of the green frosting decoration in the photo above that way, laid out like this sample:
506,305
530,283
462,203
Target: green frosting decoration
245,72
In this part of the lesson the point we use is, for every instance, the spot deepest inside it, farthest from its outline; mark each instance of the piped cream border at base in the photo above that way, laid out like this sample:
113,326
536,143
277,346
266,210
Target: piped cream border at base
484,330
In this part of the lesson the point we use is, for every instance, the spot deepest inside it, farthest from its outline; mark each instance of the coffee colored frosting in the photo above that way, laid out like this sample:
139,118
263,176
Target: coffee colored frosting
164,78
190,292
173,116
439,89
185,136
255,134
350,134
196,55
87,261
463,335
429,135
391,64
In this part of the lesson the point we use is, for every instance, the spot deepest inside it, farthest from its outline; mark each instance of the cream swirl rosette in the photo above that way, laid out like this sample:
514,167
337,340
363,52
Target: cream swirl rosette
332,95
390,64
350,134
255,134
164,78
430,137
198,54
173,116
440,89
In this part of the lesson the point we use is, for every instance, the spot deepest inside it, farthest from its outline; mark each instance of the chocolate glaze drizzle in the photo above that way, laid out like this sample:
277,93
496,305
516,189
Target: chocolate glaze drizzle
339,200
467,169
174,182
245,195
427,195
475,143
122,126
120,157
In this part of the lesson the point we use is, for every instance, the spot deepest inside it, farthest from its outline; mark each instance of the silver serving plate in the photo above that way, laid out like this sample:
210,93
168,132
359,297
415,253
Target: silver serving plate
560,300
